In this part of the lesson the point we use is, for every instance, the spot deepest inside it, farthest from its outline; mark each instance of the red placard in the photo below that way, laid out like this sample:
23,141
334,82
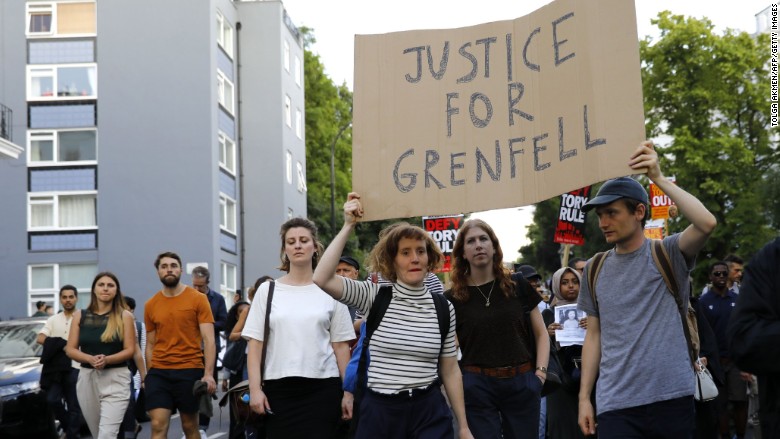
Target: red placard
443,230
571,217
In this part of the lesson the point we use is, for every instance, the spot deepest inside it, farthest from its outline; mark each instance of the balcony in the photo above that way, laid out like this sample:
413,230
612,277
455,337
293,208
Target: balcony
7,148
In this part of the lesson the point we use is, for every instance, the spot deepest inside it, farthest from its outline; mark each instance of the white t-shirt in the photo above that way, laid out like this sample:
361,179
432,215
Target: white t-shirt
304,322
58,325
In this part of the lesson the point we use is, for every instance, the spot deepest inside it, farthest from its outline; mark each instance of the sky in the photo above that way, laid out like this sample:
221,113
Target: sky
336,22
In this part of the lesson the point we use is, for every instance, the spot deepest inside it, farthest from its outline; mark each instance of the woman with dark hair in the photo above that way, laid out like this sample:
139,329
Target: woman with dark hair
502,383
103,341
308,345
562,405
408,352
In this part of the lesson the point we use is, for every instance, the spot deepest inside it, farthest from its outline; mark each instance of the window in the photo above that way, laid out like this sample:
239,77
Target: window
66,19
287,111
301,178
62,147
289,167
227,284
39,18
298,71
224,34
44,282
74,81
299,124
227,153
62,211
227,212
225,92
286,56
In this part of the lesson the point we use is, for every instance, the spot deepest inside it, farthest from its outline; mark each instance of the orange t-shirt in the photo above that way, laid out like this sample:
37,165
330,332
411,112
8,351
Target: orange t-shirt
176,324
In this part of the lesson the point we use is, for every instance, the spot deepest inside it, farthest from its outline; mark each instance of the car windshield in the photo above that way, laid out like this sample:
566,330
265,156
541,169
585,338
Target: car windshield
18,340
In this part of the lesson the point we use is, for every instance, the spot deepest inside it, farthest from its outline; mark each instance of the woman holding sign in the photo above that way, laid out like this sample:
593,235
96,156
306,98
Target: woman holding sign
409,347
502,379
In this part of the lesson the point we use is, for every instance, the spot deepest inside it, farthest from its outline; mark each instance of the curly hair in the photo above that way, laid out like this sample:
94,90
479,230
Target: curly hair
382,256
309,225
459,273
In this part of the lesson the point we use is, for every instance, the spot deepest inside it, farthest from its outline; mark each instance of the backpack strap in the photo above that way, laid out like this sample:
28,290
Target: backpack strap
443,315
664,265
593,273
375,315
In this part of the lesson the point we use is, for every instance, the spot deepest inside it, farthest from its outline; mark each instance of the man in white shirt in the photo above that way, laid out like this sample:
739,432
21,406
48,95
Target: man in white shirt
61,385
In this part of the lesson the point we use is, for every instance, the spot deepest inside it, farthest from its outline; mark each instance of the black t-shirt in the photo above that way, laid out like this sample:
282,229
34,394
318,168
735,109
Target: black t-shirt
493,336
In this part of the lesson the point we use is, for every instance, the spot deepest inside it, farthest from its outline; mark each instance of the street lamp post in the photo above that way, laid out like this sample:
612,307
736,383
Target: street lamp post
333,178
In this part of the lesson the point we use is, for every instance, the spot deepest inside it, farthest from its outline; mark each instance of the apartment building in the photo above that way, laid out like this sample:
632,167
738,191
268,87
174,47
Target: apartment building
147,126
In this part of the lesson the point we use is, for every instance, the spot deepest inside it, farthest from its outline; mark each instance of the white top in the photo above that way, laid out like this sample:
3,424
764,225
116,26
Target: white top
405,348
58,325
304,322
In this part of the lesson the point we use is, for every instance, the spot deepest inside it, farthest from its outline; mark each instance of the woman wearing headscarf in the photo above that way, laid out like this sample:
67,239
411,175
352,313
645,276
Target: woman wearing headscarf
562,405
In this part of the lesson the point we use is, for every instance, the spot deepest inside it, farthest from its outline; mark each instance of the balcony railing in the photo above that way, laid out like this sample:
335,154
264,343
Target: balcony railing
6,122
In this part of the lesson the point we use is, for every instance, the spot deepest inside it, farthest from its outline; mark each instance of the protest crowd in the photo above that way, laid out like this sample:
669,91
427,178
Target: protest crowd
615,346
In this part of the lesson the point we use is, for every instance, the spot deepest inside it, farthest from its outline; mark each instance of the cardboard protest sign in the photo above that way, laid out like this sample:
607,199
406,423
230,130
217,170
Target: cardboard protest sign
571,217
444,230
496,115
660,202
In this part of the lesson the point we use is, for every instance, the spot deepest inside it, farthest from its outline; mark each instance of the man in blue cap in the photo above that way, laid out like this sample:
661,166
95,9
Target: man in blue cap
635,341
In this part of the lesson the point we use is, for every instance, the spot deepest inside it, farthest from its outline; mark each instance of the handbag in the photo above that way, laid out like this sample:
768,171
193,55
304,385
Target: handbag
238,395
235,356
706,390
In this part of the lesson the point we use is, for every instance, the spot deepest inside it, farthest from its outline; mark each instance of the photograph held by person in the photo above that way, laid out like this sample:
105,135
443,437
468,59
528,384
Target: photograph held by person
308,345
501,382
103,340
562,405
403,397
635,341
179,349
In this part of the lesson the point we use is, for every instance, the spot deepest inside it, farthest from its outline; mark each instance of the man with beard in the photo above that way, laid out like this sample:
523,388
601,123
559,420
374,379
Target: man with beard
59,374
178,322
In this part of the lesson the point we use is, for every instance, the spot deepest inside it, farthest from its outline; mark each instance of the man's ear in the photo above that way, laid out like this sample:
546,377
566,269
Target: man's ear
641,211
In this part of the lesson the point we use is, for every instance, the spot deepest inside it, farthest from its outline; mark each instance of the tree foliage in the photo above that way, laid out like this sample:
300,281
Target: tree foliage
709,92
706,98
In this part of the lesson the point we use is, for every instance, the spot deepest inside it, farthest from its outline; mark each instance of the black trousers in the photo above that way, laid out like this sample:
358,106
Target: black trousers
303,408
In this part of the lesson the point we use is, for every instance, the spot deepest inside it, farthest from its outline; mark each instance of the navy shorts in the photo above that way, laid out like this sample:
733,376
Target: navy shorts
172,389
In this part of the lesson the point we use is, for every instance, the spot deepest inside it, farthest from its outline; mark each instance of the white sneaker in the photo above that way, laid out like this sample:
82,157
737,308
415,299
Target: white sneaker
203,434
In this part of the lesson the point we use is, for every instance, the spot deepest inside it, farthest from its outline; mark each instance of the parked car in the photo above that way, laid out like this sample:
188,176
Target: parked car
23,408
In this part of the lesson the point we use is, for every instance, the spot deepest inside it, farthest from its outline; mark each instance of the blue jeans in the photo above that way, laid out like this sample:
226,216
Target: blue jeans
670,419
70,418
502,407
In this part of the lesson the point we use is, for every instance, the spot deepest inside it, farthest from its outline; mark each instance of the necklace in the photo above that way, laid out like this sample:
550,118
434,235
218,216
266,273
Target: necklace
487,298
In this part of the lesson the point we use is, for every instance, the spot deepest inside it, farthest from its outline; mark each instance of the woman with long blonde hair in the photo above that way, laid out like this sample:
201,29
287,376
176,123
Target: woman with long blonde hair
103,341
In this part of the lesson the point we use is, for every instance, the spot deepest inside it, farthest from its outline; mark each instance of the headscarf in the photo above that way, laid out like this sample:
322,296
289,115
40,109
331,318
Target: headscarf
556,285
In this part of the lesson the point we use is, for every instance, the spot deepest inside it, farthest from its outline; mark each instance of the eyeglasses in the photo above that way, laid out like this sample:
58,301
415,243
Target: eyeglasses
720,273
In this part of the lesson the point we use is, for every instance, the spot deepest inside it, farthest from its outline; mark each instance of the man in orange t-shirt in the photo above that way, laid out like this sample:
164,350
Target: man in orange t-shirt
180,349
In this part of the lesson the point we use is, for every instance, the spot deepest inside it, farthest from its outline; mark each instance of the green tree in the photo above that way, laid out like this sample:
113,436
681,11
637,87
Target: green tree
709,92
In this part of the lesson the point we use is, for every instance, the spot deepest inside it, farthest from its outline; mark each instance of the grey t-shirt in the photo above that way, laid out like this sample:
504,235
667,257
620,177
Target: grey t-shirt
644,355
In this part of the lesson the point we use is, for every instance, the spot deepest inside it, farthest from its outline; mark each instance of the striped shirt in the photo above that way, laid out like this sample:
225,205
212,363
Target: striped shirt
405,347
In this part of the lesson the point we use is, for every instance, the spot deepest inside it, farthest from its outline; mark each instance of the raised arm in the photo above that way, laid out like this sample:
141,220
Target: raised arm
702,221
325,274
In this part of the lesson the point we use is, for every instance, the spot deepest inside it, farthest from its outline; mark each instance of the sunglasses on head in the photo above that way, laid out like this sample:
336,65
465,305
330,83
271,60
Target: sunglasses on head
720,273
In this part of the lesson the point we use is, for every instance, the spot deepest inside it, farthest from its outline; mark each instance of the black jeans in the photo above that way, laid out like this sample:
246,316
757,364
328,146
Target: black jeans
69,417
670,419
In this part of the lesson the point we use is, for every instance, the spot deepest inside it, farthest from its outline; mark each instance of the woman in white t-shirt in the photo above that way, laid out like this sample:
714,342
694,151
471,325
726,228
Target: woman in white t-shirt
300,386
410,357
